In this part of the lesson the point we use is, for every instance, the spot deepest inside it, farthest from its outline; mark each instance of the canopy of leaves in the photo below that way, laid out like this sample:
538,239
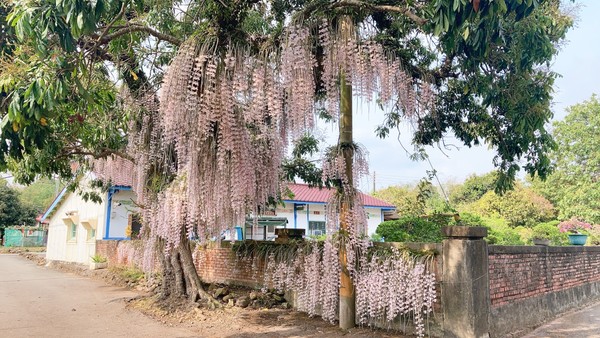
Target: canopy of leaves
419,200
39,195
574,186
60,86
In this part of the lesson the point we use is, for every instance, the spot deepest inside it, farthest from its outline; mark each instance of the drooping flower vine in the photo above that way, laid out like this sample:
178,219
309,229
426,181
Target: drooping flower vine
388,282
211,153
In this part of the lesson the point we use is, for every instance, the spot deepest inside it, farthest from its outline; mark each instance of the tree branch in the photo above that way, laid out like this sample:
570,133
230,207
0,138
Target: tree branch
380,8
103,153
139,28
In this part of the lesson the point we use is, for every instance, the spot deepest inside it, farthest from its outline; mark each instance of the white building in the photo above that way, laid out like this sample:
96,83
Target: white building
306,210
76,224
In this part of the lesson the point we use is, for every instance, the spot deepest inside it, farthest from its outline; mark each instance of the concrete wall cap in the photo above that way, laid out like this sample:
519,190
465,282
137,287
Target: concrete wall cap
464,232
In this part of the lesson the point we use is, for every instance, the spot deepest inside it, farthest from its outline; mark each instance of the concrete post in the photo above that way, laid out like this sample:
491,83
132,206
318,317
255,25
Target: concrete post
465,291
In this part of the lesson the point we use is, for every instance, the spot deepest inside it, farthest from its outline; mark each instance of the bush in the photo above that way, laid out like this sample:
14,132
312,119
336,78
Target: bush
500,233
471,220
594,235
411,229
549,230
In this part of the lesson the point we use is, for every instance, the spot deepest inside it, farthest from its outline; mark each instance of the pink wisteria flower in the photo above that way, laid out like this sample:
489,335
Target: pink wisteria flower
574,226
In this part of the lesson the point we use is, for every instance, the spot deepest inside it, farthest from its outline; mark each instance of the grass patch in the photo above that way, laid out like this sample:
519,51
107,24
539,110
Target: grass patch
128,273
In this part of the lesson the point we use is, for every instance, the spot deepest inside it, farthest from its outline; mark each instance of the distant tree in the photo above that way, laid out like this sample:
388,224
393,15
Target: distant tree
474,187
402,196
12,212
38,195
574,186
519,207
418,200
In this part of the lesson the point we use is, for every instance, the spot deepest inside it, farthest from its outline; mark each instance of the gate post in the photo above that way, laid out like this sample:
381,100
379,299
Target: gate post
465,282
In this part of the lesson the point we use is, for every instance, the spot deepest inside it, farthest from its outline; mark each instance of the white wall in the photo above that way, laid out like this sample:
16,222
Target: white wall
60,244
122,205
316,212
374,218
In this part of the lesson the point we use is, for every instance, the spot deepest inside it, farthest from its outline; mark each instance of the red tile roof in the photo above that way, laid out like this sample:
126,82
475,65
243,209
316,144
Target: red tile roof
304,193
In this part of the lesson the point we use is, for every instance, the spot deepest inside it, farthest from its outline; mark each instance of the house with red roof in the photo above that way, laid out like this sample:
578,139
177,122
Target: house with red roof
306,210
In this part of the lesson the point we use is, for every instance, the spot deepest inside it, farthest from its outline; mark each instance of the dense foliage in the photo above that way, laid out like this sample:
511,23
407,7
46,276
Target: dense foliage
12,211
574,186
412,229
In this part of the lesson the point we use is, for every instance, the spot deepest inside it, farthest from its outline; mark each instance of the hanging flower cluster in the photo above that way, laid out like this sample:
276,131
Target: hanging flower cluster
388,284
211,153
226,116
372,72
391,285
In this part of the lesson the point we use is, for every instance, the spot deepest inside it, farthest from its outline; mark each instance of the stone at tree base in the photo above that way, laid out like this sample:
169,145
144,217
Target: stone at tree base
242,302
253,295
231,302
221,292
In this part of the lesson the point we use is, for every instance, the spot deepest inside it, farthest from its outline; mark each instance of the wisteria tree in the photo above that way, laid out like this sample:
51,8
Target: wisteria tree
202,139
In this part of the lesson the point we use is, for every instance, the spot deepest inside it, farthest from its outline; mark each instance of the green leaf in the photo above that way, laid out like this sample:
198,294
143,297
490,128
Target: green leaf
80,20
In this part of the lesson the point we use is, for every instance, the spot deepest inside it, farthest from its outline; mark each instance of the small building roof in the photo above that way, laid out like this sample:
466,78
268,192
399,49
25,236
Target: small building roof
306,194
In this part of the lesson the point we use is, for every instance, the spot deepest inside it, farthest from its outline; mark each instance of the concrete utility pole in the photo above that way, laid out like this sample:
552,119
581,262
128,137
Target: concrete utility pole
347,295
374,177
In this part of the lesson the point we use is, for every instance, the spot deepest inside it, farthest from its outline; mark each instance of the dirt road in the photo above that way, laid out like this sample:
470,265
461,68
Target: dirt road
40,302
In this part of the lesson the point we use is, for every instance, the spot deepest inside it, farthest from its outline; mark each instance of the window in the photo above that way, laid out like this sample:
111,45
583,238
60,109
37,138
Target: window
91,234
316,228
73,231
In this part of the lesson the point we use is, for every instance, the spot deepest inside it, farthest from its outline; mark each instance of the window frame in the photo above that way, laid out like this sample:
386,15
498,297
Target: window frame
317,226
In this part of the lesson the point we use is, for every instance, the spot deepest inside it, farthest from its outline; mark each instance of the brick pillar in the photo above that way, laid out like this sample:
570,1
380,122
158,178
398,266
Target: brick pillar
465,291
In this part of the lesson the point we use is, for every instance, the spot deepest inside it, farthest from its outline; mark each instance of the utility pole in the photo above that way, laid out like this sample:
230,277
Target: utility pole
347,293
374,181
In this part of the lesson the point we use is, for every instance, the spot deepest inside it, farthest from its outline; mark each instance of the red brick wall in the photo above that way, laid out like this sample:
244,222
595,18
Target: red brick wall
518,273
221,265
107,249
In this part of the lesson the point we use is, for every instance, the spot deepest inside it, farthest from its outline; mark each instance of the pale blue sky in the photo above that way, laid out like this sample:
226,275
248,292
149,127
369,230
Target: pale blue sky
577,62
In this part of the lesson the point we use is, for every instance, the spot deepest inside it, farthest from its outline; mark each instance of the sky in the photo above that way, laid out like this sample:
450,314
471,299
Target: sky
578,63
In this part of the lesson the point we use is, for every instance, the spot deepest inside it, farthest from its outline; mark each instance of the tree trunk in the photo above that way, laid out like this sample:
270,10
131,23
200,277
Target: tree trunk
180,276
347,295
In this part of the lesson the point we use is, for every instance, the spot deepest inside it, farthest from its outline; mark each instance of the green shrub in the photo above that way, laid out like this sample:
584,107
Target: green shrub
411,229
550,229
500,233
468,219
594,235
376,238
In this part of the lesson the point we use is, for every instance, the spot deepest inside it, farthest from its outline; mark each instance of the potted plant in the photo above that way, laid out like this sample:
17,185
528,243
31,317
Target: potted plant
98,262
576,229
541,236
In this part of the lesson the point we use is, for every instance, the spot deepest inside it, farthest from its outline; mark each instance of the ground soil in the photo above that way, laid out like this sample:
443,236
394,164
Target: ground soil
227,321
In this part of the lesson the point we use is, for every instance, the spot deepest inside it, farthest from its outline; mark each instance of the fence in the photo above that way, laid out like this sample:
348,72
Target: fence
483,291
25,236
